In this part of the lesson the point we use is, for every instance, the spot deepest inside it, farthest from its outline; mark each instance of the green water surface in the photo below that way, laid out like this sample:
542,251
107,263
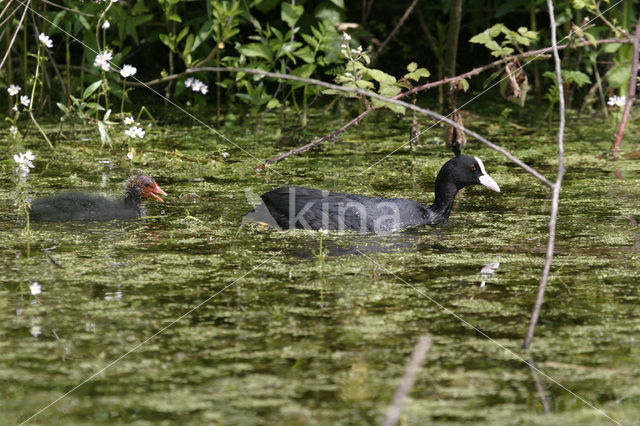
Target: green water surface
291,336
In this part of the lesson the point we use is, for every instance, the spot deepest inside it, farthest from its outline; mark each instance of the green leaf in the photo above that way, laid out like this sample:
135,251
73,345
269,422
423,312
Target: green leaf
578,78
256,50
104,135
167,41
182,34
381,77
364,84
393,107
497,29
481,38
304,71
273,103
464,84
175,17
417,74
94,106
339,3
611,48
412,67
290,14
619,76
63,107
390,91
492,45
92,88
306,54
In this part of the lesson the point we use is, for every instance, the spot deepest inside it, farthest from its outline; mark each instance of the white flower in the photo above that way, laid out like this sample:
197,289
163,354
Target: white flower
24,100
619,101
102,60
134,132
196,85
13,130
15,107
35,288
324,231
44,39
128,71
36,331
225,154
139,132
130,155
24,162
346,37
128,120
13,90
106,25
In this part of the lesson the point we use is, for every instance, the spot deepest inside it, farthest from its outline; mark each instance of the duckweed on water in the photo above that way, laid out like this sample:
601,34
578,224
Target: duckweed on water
294,341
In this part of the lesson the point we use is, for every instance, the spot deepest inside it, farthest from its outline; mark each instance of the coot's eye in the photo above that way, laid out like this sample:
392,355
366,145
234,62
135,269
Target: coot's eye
473,167
147,185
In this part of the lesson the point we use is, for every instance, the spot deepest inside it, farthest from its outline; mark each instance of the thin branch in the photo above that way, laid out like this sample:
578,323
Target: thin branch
9,16
15,34
538,384
556,186
406,105
394,31
75,11
633,78
411,371
424,86
315,142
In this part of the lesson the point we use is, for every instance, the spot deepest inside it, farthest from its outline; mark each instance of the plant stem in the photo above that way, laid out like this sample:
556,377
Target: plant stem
124,93
556,186
31,99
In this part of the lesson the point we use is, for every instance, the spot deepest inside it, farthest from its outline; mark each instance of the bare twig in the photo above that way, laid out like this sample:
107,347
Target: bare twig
75,11
633,78
404,17
556,186
47,251
423,86
411,371
406,105
15,34
315,142
538,383
9,16
99,24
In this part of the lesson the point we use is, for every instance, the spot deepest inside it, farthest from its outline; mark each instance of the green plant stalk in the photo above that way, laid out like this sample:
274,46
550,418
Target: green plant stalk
33,92
218,88
24,54
68,68
105,91
124,93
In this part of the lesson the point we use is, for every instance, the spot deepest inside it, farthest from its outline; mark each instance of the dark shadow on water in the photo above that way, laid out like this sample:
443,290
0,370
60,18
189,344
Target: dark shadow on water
353,243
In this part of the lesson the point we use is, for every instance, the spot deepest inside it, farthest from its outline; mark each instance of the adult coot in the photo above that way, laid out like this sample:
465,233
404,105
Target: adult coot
81,206
296,207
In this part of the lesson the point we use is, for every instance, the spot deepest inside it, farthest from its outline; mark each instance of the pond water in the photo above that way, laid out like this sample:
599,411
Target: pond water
304,328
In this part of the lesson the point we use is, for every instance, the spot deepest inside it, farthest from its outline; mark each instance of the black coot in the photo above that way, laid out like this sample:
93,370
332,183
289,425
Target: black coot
296,207
81,206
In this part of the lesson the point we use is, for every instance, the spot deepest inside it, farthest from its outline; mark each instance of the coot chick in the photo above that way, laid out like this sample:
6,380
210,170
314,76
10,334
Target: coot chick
81,206
297,207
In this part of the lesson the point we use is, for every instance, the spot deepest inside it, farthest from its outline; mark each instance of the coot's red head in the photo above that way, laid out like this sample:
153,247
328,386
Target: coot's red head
149,189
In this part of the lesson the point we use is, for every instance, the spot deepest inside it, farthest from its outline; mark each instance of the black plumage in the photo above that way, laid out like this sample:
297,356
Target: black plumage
82,206
297,207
